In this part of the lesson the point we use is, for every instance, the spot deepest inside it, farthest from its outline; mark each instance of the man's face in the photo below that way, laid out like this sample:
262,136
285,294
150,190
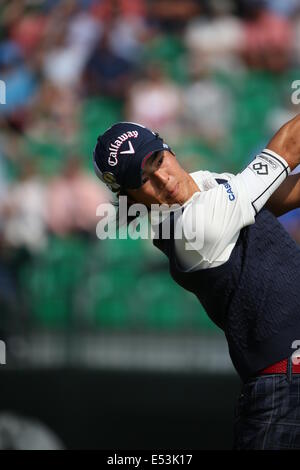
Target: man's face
164,182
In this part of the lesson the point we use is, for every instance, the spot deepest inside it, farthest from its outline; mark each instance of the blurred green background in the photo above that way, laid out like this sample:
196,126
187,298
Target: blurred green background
214,78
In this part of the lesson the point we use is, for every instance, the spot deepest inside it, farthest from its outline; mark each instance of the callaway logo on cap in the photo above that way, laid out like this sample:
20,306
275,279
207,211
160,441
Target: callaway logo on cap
121,151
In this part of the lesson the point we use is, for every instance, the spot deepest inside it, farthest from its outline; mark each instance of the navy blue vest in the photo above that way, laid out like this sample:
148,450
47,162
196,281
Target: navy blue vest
254,297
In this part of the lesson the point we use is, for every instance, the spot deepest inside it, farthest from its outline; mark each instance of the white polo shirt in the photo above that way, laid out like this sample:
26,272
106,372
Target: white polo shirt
213,217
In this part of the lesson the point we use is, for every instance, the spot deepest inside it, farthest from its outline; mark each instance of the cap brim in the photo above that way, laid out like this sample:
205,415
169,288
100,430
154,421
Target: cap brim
137,164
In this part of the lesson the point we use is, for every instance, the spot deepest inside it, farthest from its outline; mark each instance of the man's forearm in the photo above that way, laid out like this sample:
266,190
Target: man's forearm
286,197
286,143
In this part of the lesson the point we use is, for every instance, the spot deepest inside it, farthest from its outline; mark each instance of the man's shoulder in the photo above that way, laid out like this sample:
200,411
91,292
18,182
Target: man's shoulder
207,180
204,179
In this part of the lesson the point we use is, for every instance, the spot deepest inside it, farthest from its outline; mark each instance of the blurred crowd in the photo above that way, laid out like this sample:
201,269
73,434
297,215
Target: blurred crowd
170,65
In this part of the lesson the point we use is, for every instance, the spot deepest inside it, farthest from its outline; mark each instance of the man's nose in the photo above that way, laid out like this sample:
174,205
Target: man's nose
161,177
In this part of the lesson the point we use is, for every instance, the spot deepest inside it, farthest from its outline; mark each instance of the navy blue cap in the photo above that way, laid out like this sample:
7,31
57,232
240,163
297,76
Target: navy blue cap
121,153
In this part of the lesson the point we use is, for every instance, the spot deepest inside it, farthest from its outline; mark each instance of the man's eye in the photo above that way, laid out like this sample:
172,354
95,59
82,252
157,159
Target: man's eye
159,162
145,179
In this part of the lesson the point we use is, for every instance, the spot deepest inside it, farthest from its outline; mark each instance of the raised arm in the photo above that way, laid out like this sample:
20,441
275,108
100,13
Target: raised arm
286,142
286,197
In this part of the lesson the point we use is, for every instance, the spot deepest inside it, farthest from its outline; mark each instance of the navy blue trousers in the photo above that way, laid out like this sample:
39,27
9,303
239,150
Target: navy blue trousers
267,415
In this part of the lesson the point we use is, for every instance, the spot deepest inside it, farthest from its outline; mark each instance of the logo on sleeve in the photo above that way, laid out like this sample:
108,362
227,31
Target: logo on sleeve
229,191
271,162
261,168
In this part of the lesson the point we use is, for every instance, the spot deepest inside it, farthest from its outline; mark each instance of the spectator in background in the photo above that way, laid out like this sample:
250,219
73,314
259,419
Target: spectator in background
129,32
72,200
69,40
54,115
208,108
156,102
214,43
28,28
23,210
173,16
19,79
105,10
106,73
267,38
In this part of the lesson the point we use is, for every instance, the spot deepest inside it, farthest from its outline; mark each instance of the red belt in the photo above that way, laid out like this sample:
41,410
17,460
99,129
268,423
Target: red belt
280,368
